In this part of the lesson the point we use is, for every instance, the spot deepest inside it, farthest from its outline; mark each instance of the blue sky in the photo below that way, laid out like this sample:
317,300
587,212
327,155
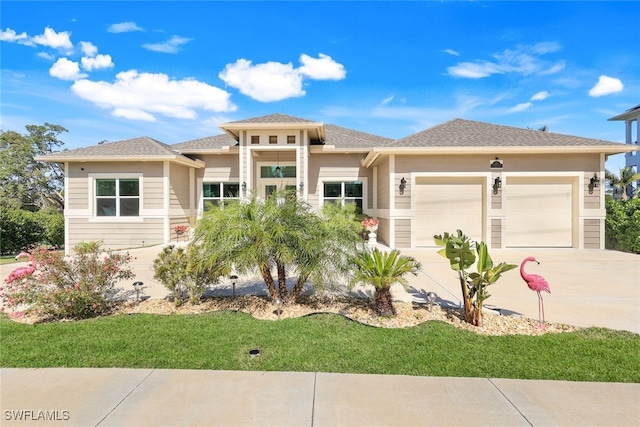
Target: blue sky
175,70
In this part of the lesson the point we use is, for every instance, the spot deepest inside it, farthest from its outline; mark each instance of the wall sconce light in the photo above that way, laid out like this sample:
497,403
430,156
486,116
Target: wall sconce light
301,188
497,185
244,188
496,164
403,185
594,182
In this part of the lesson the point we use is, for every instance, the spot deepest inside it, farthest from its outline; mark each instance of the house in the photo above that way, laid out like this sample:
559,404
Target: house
508,186
632,159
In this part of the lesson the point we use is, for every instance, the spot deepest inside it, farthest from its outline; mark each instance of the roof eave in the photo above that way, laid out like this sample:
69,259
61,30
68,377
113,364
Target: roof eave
83,159
606,149
317,149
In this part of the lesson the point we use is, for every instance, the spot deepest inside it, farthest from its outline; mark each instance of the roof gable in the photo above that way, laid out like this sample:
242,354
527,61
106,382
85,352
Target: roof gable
215,142
349,138
273,118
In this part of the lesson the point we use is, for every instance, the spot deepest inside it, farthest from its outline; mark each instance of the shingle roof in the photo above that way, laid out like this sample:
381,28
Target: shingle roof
135,147
467,133
207,143
348,138
274,118
631,113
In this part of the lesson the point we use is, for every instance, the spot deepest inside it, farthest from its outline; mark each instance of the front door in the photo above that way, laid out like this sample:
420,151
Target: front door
268,186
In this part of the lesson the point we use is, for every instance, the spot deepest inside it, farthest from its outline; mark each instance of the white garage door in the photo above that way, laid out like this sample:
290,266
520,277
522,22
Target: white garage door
446,205
539,212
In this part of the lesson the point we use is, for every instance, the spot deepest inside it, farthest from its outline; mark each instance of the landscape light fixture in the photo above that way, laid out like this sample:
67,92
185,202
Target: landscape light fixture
137,286
278,303
497,184
431,299
234,280
403,185
594,182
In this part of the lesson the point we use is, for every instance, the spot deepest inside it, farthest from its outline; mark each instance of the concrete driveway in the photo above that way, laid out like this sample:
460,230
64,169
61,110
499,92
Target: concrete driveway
588,287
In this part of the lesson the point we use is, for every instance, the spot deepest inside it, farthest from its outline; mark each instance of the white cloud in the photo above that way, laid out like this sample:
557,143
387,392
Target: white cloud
139,96
540,96
47,56
50,38
170,46
387,100
275,81
322,68
96,63
521,60
606,85
123,27
268,82
89,49
65,69
10,36
520,107
452,52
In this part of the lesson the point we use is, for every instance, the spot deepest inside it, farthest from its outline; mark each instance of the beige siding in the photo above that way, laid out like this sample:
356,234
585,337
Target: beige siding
383,184
173,222
402,201
591,201
403,233
116,235
496,199
179,189
512,163
325,167
78,181
496,233
219,168
592,234
384,231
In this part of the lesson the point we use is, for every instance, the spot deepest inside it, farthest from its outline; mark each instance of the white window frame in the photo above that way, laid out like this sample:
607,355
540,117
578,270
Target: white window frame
343,198
222,198
117,176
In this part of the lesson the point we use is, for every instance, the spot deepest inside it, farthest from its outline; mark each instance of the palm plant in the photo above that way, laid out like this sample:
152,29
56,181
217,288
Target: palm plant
382,270
280,232
622,181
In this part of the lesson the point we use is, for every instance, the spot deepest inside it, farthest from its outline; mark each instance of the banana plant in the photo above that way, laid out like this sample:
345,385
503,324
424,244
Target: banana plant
462,253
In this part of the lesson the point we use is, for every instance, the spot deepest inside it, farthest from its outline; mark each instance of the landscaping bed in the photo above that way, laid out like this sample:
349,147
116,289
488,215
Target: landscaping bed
360,310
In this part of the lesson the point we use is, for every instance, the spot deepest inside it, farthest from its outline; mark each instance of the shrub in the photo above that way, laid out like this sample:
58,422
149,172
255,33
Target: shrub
56,287
21,229
184,273
18,230
622,226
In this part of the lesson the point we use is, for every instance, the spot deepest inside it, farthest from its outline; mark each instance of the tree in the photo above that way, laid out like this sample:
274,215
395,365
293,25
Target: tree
280,232
24,181
382,270
622,182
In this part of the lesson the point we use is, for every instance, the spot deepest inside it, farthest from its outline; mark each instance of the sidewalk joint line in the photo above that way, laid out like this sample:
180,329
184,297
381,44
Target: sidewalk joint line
313,400
509,400
125,397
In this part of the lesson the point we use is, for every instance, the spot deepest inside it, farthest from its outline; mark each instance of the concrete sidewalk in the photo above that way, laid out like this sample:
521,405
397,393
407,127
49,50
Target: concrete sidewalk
149,397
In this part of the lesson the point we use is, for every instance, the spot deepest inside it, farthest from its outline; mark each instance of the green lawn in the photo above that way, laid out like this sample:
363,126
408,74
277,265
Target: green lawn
324,342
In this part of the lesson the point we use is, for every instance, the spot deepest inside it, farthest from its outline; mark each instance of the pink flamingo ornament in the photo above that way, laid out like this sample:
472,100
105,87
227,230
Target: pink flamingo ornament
21,272
536,283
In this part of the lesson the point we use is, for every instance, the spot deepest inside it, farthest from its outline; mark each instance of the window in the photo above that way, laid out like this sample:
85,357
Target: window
273,139
277,171
291,139
343,192
255,139
118,197
213,193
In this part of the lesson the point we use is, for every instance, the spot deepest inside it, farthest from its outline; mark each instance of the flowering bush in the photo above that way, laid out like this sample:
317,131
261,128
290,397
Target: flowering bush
370,223
183,272
67,288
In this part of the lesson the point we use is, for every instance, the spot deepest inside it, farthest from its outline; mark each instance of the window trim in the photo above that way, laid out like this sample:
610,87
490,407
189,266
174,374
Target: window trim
92,199
222,197
343,181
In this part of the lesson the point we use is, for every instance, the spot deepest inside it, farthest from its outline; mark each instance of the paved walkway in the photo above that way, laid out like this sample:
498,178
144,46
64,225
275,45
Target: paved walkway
599,288
148,397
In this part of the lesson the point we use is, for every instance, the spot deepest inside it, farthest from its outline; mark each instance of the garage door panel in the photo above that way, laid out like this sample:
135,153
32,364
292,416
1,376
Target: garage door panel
539,213
445,206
